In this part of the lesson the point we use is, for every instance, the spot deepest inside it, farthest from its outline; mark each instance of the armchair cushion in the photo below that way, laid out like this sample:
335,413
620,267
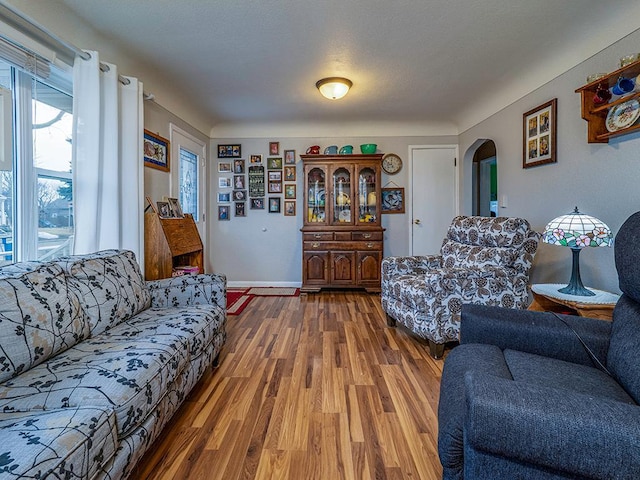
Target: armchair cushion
578,434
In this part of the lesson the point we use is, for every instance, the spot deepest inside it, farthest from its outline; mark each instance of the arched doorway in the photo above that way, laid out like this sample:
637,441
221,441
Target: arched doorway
484,180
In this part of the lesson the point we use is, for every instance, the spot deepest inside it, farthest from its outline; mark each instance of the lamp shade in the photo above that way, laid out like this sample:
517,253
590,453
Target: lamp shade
334,88
577,230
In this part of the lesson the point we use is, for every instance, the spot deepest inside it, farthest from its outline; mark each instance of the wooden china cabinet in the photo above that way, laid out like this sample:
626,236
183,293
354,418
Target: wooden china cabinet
341,238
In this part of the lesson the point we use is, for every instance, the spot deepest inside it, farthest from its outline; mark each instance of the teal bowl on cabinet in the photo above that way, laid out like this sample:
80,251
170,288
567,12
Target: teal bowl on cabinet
368,148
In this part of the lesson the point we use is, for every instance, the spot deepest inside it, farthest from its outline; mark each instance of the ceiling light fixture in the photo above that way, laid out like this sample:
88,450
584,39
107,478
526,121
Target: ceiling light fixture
334,88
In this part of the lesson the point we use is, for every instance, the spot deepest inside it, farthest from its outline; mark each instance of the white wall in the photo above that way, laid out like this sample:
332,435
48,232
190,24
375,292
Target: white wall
601,179
266,248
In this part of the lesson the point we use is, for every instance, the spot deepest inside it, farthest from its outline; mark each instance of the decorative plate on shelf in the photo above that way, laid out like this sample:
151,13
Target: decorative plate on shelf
623,115
320,197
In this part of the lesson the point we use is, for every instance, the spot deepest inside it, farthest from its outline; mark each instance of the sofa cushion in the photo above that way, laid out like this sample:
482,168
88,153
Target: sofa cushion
127,368
110,285
622,358
67,443
39,316
489,231
550,372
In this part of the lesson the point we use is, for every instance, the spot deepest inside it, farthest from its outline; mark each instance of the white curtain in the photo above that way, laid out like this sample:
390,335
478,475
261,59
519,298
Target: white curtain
108,127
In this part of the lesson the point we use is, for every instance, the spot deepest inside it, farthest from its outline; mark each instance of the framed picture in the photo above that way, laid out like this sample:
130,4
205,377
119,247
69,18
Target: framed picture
255,159
223,212
164,211
274,204
274,148
176,209
156,151
289,157
290,174
540,135
238,166
238,182
290,191
257,204
224,182
224,197
240,209
392,200
256,181
239,195
289,208
275,187
275,176
229,151
224,167
274,163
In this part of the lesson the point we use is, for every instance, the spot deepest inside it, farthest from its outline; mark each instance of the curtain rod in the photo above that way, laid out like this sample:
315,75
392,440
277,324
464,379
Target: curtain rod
64,50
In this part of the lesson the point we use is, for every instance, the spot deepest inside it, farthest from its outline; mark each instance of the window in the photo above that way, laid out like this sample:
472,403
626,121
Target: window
36,208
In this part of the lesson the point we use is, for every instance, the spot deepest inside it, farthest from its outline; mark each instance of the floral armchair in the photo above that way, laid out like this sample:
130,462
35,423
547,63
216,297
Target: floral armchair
483,260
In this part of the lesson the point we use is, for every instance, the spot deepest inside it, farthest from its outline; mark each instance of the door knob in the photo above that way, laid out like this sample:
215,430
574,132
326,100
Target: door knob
417,221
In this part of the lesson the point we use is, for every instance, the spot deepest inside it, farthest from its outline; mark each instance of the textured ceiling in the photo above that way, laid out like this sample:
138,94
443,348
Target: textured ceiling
410,60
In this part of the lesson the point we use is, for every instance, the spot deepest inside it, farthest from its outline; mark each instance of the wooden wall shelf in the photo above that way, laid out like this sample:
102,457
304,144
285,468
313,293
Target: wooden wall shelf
596,115
169,243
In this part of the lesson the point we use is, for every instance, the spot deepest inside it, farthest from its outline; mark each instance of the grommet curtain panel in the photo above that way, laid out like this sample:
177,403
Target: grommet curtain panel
108,127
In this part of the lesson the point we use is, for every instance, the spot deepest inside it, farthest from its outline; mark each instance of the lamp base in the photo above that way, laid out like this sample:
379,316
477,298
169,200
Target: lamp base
575,286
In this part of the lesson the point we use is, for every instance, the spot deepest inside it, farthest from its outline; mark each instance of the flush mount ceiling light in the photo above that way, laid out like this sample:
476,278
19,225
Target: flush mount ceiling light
334,88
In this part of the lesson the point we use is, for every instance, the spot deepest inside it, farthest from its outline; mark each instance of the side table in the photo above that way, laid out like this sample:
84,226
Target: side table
547,298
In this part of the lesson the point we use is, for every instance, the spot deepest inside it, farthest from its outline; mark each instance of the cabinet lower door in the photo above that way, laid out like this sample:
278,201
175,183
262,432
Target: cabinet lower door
369,268
343,268
316,268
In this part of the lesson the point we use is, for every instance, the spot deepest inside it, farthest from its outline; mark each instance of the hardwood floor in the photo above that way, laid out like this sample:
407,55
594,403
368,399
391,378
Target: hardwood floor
310,387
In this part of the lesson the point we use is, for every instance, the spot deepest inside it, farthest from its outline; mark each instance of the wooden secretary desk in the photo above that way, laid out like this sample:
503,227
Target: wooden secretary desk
342,240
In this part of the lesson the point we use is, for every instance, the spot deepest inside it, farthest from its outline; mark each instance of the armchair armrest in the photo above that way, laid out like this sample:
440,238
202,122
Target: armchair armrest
189,290
392,266
540,333
559,429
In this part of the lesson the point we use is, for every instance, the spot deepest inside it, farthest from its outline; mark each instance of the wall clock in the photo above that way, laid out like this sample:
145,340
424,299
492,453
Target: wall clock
391,163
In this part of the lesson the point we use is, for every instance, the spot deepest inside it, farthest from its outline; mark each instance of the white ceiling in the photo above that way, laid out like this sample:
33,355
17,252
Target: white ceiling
257,61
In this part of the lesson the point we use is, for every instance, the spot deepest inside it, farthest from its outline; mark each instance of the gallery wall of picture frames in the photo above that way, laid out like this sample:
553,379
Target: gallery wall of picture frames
259,181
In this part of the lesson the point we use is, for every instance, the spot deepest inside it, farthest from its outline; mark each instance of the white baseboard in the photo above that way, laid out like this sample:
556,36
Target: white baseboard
240,283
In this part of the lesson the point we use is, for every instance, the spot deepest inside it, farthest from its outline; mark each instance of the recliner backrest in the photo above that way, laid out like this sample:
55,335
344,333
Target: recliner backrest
624,346
500,241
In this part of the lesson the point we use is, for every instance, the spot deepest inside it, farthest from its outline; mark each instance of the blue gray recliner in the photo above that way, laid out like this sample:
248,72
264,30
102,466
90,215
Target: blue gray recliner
521,398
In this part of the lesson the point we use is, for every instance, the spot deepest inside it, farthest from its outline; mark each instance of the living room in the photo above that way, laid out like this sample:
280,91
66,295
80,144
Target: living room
264,249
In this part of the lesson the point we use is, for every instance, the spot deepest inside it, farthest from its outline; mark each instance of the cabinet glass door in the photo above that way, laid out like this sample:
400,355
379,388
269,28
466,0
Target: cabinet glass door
316,204
367,199
342,196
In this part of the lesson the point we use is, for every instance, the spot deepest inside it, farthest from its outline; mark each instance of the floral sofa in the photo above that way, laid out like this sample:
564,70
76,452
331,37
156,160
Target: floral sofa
483,260
94,361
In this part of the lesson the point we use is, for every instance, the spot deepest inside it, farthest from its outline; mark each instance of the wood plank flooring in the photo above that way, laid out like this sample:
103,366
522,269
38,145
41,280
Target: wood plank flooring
310,387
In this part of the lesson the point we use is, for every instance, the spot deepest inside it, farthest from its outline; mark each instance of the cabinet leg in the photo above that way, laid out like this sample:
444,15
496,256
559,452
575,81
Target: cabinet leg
391,322
436,350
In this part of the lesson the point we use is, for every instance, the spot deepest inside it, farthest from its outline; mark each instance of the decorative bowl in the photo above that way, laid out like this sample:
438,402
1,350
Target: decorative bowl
368,148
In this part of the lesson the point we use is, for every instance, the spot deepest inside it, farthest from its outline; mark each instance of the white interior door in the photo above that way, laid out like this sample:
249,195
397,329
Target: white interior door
434,196
188,174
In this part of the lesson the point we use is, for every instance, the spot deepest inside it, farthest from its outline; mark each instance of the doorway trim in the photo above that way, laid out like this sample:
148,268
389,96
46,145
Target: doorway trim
456,185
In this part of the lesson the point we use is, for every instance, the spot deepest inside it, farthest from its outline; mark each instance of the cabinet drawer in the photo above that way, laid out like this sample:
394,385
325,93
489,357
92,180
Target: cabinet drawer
342,246
317,236
358,236
343,236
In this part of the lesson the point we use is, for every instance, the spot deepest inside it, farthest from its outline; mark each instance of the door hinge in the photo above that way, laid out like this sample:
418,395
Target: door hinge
455,162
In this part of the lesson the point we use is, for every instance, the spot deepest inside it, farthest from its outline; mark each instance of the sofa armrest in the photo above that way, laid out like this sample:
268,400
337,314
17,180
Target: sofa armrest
541,333
558,429
417,265
189,290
